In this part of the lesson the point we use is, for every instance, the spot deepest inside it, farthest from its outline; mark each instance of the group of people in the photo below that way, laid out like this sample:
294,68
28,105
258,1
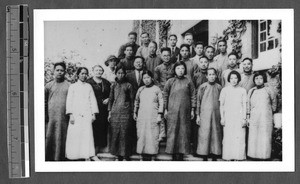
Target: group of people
199,102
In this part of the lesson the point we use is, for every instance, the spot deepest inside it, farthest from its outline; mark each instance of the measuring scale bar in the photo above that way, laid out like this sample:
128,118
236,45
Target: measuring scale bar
17,37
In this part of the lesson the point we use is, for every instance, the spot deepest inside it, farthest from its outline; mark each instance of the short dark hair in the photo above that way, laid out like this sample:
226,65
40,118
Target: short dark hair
188,33
260,73
80,69
178,63
165,49
154,43
185,45
120,67
132,33
148,72
173,35
233,54
234,73
62,64
199,43
140,58
128,45
145,33
209,46
203,57
222,40
247,59
212,69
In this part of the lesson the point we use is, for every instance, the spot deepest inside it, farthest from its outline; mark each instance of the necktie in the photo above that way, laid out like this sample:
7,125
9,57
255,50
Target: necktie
172,51
139,77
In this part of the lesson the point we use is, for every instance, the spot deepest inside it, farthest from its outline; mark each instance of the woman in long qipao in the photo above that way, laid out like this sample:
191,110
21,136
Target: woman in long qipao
261,105
180,103
233,111
82,107
120,107
208,117
148,111
101,89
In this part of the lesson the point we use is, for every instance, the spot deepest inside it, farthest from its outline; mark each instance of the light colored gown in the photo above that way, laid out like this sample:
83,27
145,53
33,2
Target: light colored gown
261,104
234,101
82,103
148,104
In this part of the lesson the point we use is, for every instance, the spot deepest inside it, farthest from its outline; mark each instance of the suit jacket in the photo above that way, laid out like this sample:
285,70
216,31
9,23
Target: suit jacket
174,56
133,81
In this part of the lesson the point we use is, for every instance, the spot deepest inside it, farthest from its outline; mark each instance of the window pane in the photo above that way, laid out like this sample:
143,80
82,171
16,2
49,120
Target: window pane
263,36
276,42
263,26
269,25
270,44
263,47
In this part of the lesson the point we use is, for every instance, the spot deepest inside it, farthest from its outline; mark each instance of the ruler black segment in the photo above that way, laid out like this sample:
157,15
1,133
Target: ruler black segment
21,13
21,65
21,83
21,25
21,104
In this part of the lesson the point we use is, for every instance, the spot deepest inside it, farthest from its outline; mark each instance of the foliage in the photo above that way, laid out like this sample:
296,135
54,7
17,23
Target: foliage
72,59
235,30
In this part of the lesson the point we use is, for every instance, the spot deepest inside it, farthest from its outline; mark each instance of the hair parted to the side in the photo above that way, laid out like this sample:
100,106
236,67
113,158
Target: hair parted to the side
234,73
179,63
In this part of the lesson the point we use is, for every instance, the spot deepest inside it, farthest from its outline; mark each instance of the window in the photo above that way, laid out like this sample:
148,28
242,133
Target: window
266,40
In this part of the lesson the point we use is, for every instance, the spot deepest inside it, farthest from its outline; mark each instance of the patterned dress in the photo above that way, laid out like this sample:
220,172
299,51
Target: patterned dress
56,120
121,102
179,98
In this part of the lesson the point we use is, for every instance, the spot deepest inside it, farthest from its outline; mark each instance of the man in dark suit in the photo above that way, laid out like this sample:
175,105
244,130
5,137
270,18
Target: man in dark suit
132,41
188,39
135,79
174,49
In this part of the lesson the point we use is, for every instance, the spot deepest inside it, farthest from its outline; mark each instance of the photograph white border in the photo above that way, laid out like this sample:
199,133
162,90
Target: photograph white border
288,132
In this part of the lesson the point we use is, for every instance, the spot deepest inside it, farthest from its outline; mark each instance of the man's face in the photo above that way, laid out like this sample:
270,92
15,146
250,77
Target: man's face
145,38
59,72
209,53
188,39
203,63
138,64
247,66
172,41
199,49
152,48
232,61
222,47
166,56
131,38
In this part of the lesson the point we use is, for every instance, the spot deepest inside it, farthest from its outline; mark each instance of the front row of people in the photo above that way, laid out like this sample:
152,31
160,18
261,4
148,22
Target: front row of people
222,115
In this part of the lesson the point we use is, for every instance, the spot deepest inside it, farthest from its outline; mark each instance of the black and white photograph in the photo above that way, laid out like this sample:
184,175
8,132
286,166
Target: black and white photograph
204,90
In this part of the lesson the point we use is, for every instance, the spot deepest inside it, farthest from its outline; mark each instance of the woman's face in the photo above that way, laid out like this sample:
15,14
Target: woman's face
211,76
98,71
233,79
120,74
112,63
83,75
203,63
184,52
179,70
259,80
147,79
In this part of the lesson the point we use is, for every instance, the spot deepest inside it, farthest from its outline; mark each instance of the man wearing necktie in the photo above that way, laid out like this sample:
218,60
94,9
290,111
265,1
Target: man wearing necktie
174,49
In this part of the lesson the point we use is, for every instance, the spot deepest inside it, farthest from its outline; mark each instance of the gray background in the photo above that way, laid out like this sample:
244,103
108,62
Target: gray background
136,177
